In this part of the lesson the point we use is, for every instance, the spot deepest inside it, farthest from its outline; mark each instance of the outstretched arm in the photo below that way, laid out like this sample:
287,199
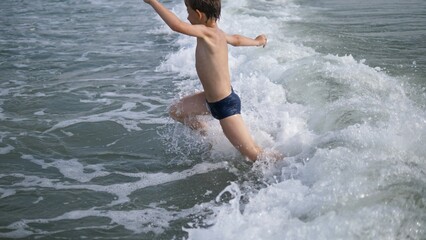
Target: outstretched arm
174,22
238,40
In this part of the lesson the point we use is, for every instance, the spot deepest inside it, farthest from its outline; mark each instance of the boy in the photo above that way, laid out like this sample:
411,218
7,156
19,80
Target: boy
211,62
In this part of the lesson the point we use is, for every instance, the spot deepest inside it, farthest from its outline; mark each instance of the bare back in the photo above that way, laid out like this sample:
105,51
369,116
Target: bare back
211,62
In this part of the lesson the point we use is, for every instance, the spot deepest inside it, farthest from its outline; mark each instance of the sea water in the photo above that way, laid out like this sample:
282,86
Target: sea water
87,150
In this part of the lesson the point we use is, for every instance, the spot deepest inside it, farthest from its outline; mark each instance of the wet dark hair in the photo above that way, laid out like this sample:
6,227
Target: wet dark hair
209,7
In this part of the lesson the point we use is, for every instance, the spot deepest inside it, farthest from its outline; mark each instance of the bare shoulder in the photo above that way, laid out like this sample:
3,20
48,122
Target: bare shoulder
214,37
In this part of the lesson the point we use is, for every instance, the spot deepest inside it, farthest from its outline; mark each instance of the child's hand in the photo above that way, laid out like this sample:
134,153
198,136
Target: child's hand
147,1
262,40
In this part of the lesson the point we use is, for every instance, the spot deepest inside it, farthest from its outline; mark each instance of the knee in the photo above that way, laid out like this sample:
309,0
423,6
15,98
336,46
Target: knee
175,112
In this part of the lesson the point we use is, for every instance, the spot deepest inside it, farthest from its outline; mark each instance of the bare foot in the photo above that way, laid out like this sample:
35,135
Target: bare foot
272,155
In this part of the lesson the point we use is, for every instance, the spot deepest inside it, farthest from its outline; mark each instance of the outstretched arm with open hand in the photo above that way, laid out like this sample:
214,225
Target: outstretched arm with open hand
175,23
238,40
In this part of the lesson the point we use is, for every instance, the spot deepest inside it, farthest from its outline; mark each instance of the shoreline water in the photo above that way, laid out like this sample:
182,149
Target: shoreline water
87,148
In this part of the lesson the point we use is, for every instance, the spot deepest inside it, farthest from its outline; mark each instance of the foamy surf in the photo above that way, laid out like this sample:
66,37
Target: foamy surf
153,219
88,151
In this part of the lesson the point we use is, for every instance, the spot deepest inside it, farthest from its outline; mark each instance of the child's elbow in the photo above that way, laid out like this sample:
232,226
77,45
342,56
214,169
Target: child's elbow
236,41
176,27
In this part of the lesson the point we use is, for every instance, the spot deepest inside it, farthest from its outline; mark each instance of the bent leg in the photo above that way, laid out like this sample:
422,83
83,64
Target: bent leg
187,110
236,131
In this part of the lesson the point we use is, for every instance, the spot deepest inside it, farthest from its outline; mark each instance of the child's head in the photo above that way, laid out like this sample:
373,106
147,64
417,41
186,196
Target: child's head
209,7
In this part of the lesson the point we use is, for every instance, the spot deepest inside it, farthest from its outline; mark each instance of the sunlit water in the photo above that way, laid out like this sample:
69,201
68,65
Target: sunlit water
87,149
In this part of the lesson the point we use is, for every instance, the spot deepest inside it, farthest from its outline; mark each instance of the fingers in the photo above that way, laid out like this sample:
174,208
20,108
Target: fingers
262,40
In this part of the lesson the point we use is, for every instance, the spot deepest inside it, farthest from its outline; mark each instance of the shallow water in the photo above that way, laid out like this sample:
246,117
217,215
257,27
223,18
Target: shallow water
87,149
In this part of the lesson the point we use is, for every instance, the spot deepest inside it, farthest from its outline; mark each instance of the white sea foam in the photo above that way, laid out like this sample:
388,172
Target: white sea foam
137,221
6,192
2,115
152,219
6,150
73,169
291,210
124,116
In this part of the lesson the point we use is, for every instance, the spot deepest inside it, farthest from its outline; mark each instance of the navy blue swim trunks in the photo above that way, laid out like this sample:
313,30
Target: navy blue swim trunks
226,107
